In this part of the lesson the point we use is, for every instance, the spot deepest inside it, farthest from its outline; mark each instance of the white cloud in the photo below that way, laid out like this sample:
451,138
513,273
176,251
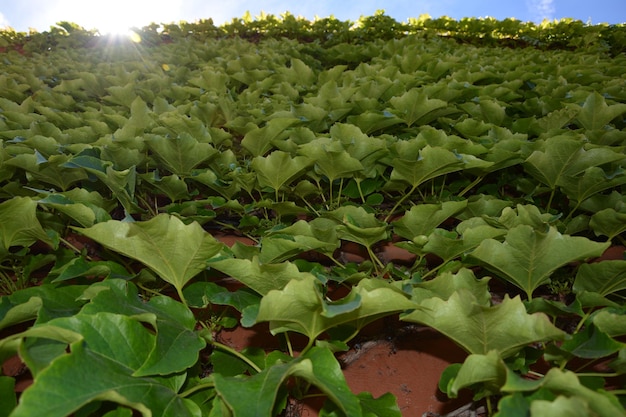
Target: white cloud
541,9
4,22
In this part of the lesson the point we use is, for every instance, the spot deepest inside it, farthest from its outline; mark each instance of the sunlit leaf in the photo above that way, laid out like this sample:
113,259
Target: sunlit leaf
505,328
528,257
300,307
174,251
278,169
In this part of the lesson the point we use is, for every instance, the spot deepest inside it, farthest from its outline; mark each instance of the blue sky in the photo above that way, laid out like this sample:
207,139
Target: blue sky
118,15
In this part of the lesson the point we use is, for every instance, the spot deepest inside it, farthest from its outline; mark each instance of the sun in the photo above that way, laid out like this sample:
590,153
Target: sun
117,17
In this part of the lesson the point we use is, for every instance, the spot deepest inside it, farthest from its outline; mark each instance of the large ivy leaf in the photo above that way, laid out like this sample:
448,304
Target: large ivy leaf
422,219
255,396
359,226
332,160
319,234
121,183
51,170
177,345
604,278
601,403
100,367
595,113
278,168
608,222
301,307
258,276
182,153
431,163
19,225
41,303
592,181
446,284
414,106
477,328
528,257
259,140
563,157
449,245
487,369
174,251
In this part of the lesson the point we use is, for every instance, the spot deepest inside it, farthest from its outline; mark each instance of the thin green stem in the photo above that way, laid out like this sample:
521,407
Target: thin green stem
377,262
358,186
471,185
399,202
339,193
182,297
550,200
289,346
73,248
197,388
233,352
148,290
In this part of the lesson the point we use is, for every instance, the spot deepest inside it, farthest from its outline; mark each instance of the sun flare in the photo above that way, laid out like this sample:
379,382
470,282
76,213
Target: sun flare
117,17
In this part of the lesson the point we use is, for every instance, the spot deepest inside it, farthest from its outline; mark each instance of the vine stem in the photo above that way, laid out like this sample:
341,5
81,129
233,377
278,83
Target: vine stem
233,352
197,388
399,202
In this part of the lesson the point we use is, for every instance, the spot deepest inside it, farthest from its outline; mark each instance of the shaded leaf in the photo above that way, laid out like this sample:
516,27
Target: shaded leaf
182,153
604,277
595,113
19,225
318,366
69,383
176,346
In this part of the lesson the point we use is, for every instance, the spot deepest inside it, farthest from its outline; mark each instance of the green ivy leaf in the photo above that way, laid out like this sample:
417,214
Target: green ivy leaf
259,140
431,163
318,366
176,346
19,225
319,234
111,347
528,257
505,328
359,226
561,407
278,168
564,157
174,251
601,403
595,113
415,106
446,284
604,278
608,222
300,306
258,276
422,219
182,153
488,370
